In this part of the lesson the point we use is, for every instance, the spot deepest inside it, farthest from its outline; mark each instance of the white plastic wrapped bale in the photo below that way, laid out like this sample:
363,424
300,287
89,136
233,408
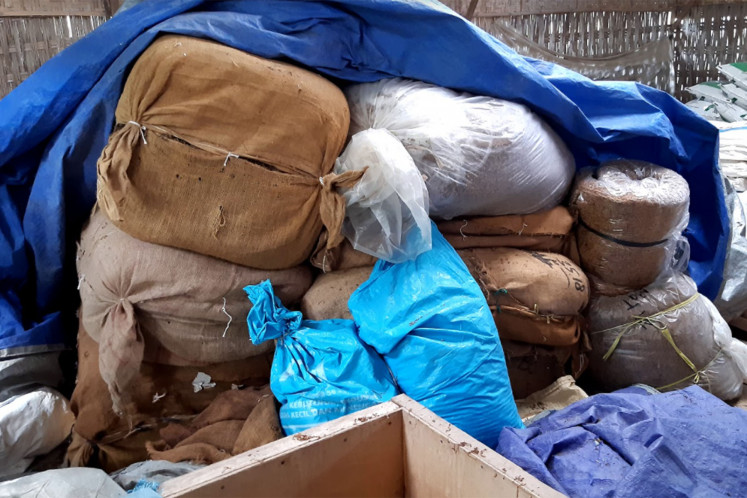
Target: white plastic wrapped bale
630,218
386,212
478,155
31,425
666,336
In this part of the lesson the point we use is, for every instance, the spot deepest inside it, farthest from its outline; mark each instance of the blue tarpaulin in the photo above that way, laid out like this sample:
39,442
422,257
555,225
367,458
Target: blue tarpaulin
54,125
633,443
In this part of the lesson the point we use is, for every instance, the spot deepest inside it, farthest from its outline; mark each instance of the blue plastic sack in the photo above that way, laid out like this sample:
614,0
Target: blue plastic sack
632,443
321,369
429,320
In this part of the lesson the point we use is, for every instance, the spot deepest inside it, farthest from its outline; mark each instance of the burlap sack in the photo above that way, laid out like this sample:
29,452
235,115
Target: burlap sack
536,297
664,336
236,421
221,152
328,297
136,295
543,231
341,257
160,394
532,367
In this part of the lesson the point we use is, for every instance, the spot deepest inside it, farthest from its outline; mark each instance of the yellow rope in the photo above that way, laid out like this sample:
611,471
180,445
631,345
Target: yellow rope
661,327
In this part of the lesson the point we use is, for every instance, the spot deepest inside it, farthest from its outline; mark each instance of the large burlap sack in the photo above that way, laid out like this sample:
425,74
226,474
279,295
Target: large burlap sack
630,216
666,336
535,297
160,395
220,152
543,231
136,296
328,297
479,156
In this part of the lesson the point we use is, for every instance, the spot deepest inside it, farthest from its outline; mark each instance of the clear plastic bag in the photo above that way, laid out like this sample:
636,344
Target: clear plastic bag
386,212
477,155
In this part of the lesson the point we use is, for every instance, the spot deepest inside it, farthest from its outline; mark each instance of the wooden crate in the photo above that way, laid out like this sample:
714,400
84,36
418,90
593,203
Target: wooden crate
704,33
394,449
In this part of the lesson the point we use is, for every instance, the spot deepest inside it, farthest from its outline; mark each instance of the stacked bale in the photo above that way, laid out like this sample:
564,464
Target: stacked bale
210,182
665,335
220,152
630,215
647,322
537,300
543,231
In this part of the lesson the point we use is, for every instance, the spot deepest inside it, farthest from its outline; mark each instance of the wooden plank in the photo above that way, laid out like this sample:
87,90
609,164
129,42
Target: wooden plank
357,455
441,460
504,8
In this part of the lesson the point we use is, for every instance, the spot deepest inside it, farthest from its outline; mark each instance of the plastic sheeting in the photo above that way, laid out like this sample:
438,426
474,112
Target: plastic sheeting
55,124
64,483
31,425
732,299
631,443
429,320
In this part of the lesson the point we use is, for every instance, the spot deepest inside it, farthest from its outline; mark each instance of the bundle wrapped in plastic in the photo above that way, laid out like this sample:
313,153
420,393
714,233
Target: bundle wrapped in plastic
321,369
666,336
386,213
630,218
478,155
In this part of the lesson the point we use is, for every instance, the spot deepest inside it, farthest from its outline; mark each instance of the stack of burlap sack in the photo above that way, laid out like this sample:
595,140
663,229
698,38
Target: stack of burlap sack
210,182
647,322
495,174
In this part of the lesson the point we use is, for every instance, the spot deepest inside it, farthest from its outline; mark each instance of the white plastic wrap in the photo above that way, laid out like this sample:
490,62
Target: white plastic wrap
666,336
80,482
32,424
630,218
732,297
477,155
386,212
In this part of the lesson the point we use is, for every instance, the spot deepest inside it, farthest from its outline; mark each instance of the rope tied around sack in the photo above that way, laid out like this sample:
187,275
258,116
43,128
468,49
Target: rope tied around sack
140,128
659,325
332,208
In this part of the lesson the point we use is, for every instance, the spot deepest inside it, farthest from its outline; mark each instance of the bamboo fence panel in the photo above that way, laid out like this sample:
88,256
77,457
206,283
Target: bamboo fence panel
704,33
33,31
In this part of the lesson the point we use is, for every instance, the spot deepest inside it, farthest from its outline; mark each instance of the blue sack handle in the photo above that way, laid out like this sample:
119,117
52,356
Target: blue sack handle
269,319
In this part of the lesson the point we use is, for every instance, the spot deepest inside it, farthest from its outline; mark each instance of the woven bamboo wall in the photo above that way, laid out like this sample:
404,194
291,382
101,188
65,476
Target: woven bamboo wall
704,33
33,31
